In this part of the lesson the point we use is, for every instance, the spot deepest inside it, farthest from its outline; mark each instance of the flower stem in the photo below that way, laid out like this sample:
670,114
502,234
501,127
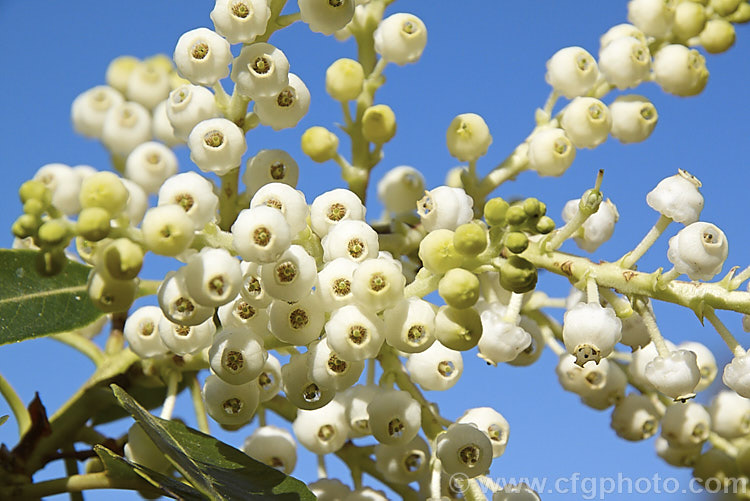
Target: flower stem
629,259
592,290
23,419
725,334
169,402
198,405
514,308
425,283
653,330
75,483
228,198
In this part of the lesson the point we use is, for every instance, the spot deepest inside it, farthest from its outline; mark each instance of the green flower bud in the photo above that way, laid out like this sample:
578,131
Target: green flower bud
52,262
515,215
689,20
470,239
468,137
344,79
458,329
459,288
379,124
718,36
122,259
741,15
105,190
495,211
533,207
320,144
545,225
35,190
590,201
93,224
437,252
518,275
725,7
34,207
53,233
111,295
119,70
516,241
25,226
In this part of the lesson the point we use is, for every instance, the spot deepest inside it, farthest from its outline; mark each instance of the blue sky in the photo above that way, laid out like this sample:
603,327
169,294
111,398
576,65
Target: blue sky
482,57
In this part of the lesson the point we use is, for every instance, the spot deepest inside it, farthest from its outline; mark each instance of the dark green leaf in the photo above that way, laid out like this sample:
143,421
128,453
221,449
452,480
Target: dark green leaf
32,305
3,419
218,470
119,467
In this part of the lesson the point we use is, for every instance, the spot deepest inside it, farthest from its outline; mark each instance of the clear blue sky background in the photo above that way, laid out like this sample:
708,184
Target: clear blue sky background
484,57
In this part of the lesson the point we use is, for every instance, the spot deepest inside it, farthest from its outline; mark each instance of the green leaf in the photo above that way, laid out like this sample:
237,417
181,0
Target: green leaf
148,397
32,305
3,419
216,469
120,468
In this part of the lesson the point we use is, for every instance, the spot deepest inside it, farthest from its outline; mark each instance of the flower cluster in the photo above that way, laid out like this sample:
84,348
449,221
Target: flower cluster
293,304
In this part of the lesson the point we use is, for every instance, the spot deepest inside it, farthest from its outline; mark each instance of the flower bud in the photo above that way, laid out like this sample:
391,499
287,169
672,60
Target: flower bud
187,106
458,329
470,239
737,375
680,71
464,449
344,79
126,126
379,124
121,258
400,189
400,38
90,108
25,226
587,122
689,20
217,145
437,252
698,250
104,190
718,36
625,62
445,208
468,137
118,72
111,295
320,144
167,230
725,7
518,275
677,197
459,288
572,71
516,241
495,211
35,190
202,56
676,375
633,118
653,17
285,108
551,152
150,164
326,16
635,418
228,404
270,166
240,21
260,70
590,332
53,233
686,424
